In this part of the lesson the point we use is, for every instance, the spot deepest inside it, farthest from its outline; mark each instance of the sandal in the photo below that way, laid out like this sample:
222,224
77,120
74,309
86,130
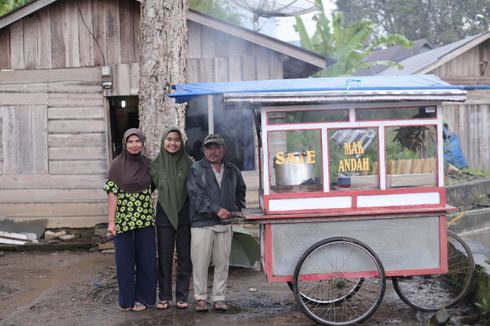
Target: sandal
162,305
125,309
138,307
201,306
220,306
181,304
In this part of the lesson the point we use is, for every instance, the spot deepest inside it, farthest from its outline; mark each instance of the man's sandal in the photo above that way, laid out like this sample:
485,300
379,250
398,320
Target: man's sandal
138,307
201,306
162,305
181,304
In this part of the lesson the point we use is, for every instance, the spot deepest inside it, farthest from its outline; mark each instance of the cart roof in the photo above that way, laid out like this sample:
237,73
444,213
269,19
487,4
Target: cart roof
339,89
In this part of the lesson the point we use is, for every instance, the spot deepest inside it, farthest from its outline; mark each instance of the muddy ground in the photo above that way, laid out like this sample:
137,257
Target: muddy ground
453,177
78,288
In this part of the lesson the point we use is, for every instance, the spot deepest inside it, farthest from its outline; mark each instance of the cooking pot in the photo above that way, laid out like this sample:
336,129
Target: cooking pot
294,173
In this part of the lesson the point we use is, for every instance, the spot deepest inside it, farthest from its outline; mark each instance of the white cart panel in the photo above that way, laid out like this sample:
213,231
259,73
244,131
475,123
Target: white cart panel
402,244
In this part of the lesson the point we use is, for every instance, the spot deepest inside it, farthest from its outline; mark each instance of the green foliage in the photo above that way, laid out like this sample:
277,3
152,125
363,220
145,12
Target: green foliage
348,45
420,140
221,9
438,21
7,6
394,150
306,140
478,173
484,307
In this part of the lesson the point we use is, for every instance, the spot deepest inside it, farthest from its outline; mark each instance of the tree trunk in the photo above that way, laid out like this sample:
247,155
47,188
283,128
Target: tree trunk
163,48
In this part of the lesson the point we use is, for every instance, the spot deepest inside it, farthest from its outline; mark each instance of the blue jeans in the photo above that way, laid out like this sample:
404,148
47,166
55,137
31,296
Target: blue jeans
136,267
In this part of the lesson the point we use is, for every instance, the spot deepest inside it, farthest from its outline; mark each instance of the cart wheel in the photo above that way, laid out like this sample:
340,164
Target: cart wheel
432,292
349,293
339,281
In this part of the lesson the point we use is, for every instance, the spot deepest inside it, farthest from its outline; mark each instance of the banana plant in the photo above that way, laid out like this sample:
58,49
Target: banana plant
347,45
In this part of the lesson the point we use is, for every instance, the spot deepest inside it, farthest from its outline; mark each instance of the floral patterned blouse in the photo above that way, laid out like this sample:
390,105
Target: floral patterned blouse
134,210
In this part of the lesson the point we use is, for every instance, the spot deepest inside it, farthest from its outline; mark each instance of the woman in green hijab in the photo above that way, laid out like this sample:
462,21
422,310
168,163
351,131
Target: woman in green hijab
169,174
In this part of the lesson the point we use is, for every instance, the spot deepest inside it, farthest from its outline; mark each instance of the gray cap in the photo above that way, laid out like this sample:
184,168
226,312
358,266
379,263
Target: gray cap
214,139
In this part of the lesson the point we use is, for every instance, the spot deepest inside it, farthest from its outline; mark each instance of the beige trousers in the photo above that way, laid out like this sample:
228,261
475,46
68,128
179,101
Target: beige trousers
209,245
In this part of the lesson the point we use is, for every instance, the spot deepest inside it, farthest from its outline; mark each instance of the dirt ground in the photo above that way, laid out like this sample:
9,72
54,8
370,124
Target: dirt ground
453,177
78,288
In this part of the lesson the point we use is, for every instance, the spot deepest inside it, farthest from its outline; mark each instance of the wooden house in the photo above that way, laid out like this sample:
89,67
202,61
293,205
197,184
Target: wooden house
465,62
69,86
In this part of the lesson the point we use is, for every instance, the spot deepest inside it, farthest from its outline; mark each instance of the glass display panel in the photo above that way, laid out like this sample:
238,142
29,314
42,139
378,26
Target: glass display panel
353,155
422,112
307,116
295,161
411,156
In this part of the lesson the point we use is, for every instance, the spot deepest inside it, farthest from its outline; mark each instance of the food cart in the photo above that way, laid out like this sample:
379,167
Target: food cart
351,189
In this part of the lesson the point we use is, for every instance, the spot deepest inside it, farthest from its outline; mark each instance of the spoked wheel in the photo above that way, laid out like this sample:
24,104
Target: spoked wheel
349,293
432,292
339,281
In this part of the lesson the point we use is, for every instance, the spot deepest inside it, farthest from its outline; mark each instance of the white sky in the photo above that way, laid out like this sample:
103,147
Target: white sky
284,26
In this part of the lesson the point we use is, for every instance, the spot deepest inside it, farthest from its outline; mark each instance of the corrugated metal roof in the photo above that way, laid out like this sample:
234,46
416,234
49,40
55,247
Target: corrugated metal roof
340,89
418,62
395,53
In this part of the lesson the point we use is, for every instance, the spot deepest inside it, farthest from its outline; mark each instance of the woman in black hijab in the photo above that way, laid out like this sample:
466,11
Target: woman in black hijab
131,220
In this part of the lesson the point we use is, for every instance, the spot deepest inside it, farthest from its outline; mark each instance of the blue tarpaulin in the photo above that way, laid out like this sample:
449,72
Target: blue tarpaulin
183,92
452,149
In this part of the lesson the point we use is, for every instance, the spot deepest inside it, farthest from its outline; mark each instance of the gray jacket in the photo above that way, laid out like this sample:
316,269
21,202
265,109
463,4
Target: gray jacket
206,197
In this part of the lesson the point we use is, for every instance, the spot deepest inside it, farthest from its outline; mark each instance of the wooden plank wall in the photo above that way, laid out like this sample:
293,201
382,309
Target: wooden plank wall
1,141
73,33
125,80
216,57
81,33
65,188
24,139
53,147
213,57
470,121
466,68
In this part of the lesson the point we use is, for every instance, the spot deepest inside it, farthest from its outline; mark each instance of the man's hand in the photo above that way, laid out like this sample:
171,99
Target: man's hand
223,214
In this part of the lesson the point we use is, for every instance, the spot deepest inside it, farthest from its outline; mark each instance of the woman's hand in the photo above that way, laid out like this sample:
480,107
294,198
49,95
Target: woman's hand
111,227
111,213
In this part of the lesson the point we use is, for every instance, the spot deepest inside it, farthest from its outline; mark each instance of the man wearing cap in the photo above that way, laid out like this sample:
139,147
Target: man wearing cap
216,188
